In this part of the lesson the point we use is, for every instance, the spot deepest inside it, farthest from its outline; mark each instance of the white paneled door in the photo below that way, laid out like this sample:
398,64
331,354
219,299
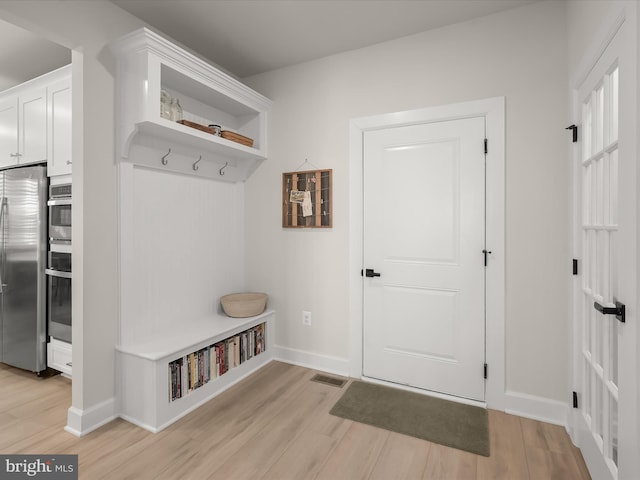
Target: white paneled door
604,353
424,256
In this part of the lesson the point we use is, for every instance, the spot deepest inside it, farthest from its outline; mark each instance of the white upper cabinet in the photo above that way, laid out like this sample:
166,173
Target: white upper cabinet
59,128
9,131
23,127
30,131
148,64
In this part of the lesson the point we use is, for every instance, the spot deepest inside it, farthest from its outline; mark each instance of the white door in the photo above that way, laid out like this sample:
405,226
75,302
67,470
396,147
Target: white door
605,362
424,234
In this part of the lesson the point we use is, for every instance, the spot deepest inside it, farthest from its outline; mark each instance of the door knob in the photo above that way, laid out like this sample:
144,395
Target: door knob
618,310
369,272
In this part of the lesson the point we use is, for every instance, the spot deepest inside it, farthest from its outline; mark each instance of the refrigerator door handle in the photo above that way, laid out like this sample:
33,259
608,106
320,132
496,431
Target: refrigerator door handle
2,205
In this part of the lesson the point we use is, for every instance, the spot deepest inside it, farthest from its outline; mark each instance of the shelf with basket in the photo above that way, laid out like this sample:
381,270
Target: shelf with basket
223,122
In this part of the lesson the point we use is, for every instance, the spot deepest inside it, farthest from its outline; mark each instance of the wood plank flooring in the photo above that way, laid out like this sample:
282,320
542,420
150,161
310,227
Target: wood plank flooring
273,425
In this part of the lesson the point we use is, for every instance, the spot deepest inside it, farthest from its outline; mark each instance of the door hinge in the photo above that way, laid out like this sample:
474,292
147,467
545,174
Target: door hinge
486,371
574,132
575,266
575,399
486,149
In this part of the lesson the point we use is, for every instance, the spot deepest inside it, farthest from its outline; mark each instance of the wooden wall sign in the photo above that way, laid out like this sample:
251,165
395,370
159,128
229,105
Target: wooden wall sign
307,199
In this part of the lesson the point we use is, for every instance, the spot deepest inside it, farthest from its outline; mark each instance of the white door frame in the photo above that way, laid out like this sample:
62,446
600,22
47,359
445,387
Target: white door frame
493,109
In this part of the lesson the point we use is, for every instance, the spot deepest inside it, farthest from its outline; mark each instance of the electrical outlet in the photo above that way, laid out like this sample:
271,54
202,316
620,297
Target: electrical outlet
306,317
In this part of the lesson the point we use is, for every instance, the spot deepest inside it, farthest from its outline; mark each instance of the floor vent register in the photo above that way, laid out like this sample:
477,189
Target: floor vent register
334,382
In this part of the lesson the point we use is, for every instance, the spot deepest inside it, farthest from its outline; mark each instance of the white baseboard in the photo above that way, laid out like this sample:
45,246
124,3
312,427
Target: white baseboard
315,361
521,404
81,422
537,408
140,424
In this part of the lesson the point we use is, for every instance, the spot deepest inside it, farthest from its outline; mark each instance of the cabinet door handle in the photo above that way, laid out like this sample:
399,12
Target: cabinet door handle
69,162
14,155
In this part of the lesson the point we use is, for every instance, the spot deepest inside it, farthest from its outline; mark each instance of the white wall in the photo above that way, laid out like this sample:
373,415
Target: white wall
187,250
87,28
519,54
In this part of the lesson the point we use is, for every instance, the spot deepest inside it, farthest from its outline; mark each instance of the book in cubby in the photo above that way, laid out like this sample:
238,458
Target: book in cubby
194,370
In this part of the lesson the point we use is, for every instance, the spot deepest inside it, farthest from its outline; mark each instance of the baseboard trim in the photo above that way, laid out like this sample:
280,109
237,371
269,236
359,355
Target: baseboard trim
537,408
521,404
80,422
137,423
324,363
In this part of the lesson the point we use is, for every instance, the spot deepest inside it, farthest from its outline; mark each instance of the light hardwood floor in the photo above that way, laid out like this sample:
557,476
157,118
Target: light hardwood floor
273,425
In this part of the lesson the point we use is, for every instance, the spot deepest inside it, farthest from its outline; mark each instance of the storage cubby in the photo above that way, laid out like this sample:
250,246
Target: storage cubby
202,105
196,369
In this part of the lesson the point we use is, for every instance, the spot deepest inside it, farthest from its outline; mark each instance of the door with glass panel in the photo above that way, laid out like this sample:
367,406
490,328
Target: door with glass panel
605,241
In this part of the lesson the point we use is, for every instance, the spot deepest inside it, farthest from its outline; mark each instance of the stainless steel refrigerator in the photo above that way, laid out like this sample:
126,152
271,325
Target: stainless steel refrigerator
23,244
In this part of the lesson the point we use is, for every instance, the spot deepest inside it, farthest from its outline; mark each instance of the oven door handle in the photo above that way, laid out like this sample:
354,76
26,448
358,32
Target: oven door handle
59,201
57,273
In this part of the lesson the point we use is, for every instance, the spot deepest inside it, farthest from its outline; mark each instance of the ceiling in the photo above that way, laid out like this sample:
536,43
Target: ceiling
24,56
247,37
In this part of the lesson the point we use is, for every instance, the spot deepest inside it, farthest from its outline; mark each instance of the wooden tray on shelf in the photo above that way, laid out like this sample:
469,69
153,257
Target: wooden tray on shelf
236,137
227,134
197,126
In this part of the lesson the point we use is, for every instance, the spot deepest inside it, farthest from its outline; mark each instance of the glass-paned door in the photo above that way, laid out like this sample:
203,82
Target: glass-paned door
599,225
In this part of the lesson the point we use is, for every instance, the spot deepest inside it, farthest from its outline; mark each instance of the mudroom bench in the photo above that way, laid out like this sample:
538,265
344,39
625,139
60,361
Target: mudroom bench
175,372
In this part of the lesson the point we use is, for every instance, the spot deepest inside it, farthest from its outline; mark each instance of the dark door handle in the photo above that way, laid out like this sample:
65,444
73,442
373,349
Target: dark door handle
370,273
618,310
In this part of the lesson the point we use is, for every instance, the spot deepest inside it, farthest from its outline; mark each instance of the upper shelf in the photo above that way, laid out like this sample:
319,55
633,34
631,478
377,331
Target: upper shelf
149,64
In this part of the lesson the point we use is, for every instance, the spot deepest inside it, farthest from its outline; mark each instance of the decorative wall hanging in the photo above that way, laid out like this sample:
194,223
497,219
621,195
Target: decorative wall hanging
307,199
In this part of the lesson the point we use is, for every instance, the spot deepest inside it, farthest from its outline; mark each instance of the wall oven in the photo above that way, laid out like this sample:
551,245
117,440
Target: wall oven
60,214
58,274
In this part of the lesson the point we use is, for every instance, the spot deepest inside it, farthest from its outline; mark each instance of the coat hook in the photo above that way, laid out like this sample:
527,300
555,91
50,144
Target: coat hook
195,165
222,169
164,158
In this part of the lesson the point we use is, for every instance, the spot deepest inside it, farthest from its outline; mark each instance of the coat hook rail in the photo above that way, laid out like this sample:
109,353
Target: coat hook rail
226,164
195,165
164,158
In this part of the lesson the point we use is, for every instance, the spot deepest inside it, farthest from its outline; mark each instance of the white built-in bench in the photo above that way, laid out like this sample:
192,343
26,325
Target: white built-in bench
144,376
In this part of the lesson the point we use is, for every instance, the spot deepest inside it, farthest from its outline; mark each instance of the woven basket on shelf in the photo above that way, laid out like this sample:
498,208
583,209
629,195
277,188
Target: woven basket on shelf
242,305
